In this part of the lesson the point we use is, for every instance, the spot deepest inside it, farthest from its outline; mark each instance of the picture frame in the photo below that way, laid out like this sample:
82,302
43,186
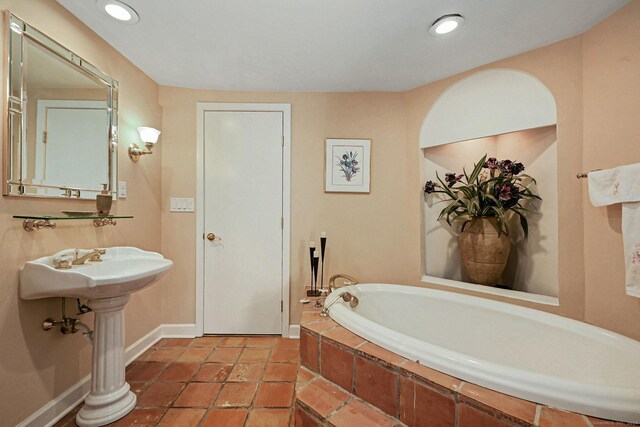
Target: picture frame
347,165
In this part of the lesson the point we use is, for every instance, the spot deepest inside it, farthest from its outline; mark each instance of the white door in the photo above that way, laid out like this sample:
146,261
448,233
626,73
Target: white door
243,170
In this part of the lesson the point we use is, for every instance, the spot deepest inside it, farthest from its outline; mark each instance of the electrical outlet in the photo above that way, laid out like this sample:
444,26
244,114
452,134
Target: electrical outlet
182,205
122,190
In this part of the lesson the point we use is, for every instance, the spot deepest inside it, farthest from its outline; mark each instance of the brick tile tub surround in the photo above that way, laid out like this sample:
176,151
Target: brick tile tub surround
346,373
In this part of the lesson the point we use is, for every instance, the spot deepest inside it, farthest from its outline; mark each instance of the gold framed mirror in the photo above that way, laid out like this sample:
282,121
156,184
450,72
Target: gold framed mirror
60,112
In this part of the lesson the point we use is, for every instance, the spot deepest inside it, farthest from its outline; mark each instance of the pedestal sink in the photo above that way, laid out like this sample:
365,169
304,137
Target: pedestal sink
107,284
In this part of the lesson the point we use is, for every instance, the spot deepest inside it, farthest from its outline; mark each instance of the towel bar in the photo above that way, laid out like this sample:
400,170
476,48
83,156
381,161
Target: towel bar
584,174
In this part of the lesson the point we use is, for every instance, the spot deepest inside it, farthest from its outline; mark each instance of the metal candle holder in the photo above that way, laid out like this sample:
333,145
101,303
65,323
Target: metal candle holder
313,292
323,247
315,275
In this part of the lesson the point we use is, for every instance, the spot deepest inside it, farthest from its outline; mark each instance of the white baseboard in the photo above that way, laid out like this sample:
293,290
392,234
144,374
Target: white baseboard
180,330
294,331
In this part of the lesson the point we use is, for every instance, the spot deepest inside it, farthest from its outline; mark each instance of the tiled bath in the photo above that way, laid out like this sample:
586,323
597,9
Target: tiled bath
351,375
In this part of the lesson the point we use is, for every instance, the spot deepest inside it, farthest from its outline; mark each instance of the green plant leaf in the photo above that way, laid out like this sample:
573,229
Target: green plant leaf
477,169
523,223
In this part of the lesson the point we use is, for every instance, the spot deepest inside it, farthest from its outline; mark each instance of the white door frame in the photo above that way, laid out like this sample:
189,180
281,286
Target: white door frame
285,109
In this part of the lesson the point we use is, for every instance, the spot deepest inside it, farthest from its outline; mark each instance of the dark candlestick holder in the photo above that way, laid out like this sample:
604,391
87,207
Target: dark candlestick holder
323,247
313,292
315,275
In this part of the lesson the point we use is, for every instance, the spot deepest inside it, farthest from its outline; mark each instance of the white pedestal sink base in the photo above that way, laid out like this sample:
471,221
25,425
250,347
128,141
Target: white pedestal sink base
100,415
107,285
110,397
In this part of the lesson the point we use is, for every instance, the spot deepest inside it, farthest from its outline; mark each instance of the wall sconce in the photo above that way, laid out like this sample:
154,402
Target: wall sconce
149,136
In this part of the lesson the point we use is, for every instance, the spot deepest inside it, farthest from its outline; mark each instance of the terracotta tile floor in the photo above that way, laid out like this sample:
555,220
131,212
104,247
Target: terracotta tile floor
212,381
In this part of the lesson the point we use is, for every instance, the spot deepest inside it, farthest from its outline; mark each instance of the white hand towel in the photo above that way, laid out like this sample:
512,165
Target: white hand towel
617,185
631,241
622,185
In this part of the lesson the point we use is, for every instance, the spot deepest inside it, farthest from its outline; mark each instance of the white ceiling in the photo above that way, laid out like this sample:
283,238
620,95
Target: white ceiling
330,45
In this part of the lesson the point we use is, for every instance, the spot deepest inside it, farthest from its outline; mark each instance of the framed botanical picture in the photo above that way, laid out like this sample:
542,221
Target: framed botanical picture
347,165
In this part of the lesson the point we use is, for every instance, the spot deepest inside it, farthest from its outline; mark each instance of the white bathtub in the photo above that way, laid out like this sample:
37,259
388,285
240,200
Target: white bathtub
523,352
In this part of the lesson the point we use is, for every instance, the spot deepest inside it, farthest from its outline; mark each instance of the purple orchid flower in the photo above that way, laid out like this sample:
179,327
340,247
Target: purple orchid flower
506,192
429,187
491,163
451,178
509,167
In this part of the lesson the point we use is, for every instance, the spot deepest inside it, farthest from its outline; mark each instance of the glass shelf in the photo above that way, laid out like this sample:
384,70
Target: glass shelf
37,222
66,217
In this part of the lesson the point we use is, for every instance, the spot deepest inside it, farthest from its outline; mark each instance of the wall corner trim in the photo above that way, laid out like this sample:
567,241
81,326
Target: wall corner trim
294,331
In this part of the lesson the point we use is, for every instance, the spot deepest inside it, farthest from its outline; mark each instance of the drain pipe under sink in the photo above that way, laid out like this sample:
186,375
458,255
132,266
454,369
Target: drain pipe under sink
86,331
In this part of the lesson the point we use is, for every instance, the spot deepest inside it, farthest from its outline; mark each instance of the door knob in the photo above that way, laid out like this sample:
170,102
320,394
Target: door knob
213,237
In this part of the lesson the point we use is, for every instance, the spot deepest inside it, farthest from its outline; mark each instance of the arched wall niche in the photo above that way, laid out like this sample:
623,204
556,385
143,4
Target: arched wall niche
487,103
505,114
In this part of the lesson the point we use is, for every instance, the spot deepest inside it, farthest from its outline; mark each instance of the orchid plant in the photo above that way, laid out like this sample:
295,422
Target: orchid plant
493,189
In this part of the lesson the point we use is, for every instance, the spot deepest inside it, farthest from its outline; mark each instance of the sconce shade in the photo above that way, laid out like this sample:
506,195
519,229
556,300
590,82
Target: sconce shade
148,135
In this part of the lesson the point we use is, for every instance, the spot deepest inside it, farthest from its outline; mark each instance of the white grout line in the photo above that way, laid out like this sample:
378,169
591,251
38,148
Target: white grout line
588,421
536,420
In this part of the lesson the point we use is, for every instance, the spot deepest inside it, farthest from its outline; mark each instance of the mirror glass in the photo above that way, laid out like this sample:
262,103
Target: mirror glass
61,139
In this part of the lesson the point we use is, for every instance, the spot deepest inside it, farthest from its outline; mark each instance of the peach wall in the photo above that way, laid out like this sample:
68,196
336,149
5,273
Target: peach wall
370,236
37,366
611,138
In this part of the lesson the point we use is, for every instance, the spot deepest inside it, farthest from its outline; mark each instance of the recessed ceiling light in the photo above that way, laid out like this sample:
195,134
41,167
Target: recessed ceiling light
445,24
120,11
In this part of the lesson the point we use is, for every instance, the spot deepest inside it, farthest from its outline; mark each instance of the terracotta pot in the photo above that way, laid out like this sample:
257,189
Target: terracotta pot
484,254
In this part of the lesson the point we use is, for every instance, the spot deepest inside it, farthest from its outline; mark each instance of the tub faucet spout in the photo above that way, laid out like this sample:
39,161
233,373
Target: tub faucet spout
348,280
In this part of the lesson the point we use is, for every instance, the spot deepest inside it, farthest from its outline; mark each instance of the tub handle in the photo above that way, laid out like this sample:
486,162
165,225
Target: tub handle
348,280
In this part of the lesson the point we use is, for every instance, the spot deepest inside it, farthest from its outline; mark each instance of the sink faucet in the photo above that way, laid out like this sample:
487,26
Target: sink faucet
94,256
